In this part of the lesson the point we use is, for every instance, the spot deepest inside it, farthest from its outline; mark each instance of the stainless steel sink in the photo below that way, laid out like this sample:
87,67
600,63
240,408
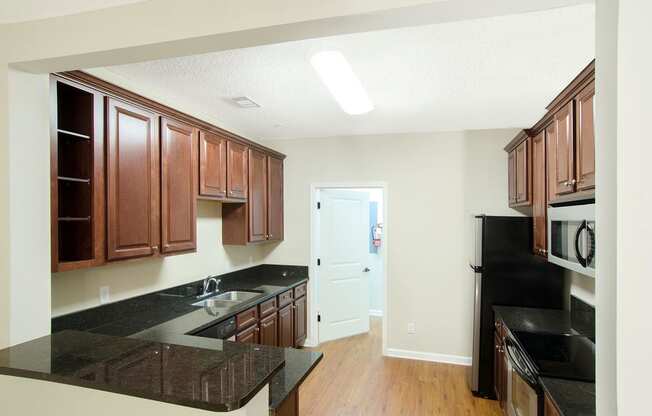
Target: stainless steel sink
227,299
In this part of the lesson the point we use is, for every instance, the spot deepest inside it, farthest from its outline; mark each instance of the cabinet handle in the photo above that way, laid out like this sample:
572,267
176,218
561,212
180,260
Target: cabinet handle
573,182
270,236
566,183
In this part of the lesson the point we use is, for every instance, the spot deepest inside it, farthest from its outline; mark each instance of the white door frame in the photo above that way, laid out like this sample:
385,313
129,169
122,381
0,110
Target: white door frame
313,305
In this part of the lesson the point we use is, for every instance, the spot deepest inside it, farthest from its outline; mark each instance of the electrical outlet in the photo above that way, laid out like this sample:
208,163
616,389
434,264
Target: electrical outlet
412,329
105,296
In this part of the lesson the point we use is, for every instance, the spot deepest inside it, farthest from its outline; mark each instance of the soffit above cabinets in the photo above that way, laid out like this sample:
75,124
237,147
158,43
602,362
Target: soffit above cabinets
14,11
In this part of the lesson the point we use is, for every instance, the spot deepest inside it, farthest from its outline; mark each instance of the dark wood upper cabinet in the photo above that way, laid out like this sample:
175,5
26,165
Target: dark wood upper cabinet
212,165
178,186
539,195
269,330
132,181
257,201
237,170
78,204
551,163
564,151
523,173
511,176
300,321
286,327
585,139
275,198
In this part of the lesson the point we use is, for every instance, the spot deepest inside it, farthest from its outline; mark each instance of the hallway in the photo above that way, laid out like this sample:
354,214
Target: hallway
355,379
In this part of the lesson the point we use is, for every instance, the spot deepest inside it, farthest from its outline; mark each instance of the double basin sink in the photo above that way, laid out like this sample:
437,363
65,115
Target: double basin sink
226,299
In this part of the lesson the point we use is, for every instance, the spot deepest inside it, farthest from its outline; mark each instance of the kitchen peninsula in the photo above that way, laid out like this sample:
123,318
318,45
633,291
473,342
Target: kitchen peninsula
159,347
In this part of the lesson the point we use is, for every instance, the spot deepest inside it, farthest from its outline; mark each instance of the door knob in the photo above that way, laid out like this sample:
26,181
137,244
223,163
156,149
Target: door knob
366,270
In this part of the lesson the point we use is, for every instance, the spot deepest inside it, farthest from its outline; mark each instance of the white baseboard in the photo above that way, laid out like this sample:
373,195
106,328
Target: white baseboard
429,356
375,312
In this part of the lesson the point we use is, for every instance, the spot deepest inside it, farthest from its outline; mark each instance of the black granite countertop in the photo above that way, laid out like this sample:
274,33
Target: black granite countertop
546,321
168,317
298,364
573,398
223,377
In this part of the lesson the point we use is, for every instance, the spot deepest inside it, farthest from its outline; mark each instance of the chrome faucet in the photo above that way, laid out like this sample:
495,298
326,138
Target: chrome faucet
207,284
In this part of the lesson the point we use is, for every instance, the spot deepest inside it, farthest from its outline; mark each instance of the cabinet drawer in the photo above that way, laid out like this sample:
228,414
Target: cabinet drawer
246,318
285,298
299,291
267,307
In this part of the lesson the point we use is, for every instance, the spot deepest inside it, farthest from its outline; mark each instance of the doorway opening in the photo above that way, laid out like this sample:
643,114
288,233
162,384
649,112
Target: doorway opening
348,259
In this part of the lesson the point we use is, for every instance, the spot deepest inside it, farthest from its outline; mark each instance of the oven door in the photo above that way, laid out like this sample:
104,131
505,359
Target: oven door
524,396
571,237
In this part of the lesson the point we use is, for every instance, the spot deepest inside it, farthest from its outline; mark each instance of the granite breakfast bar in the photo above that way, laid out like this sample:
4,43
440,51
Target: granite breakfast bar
144,348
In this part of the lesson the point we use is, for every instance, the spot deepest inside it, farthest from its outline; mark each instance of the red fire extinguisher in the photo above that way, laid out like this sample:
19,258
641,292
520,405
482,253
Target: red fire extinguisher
377,233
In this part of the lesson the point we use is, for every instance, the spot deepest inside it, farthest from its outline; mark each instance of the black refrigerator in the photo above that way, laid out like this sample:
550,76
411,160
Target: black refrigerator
505,272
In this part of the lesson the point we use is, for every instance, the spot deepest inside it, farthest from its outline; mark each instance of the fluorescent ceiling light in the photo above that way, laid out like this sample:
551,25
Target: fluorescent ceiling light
336,73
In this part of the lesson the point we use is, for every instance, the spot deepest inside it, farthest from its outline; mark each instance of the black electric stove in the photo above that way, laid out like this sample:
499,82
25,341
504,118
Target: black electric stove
570,357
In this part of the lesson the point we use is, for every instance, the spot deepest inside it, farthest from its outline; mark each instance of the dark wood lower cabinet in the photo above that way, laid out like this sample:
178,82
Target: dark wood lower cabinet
300,321
549,408
269,330
286,326
289,407
249,335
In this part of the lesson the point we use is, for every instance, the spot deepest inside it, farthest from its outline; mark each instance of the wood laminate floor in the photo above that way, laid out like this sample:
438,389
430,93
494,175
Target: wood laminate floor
355,379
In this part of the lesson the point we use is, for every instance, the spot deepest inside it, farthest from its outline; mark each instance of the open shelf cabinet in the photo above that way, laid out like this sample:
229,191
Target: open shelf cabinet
77,179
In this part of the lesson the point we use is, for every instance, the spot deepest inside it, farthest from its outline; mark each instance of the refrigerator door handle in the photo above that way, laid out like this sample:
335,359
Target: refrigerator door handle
476,269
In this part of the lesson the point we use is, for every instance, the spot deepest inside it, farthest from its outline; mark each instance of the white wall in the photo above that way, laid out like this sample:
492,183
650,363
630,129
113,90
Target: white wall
434,182
634,362
606,203
79,289
29,205
56,399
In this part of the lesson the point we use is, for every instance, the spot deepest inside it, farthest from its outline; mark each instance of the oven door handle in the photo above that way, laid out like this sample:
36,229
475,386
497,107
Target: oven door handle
526,375
578,253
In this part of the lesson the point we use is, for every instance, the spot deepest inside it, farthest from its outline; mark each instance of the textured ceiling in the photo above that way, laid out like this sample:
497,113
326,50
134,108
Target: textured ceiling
12,11
489,73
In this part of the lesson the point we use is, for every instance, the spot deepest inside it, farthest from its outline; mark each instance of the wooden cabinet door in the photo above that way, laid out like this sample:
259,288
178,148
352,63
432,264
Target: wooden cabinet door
585,140
236,170
539,196
551,164
564,153
257,196
132,181
511,176
286,327
300,321
275,198
269,330
178,186
212,165
248,336
523,185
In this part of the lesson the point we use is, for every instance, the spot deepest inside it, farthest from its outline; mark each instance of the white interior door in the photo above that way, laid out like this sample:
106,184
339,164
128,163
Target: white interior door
343,251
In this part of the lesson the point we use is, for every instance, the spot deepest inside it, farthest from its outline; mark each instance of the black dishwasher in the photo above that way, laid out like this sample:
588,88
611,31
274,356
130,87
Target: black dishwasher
223,330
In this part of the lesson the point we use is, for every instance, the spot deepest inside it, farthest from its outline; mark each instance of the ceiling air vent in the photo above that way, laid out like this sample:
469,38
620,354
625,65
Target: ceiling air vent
245,102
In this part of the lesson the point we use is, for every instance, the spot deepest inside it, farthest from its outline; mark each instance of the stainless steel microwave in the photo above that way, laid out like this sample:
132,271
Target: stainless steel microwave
571,237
